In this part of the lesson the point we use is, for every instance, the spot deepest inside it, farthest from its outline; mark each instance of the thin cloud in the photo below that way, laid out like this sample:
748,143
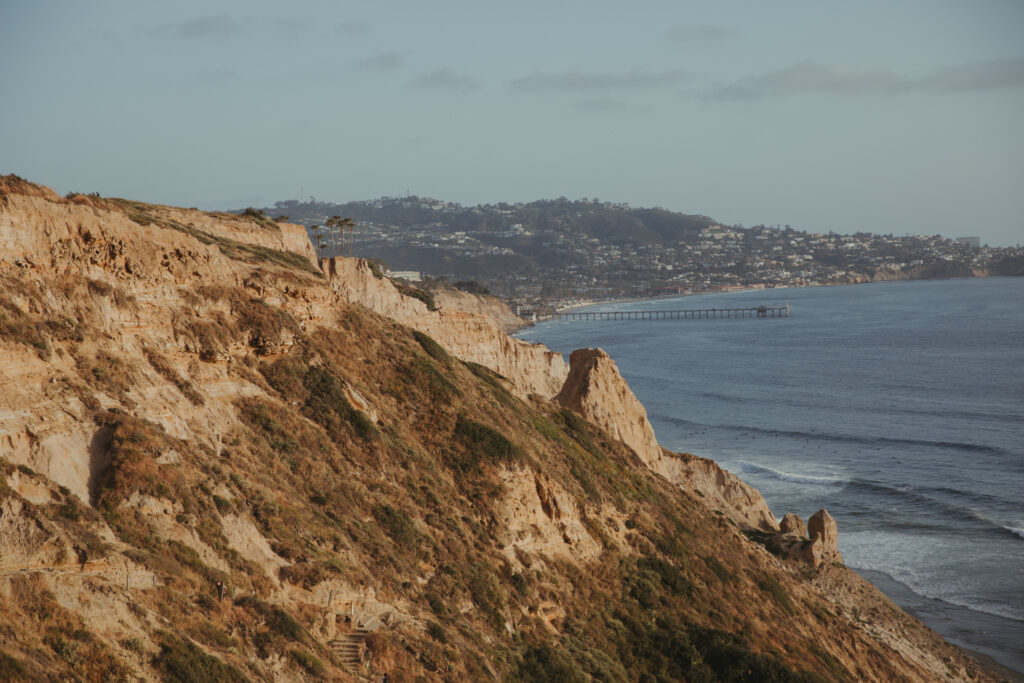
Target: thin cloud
200,28
576,80
807,77
446,79
1006,73
697,33
388,60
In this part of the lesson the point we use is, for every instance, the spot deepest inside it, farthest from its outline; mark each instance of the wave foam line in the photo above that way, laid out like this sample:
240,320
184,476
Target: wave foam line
841,438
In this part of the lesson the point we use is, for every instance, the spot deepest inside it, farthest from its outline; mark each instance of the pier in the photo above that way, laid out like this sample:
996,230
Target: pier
681,314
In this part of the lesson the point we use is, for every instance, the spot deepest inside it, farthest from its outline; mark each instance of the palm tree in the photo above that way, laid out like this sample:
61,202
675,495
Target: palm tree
319,241
335,222
347,224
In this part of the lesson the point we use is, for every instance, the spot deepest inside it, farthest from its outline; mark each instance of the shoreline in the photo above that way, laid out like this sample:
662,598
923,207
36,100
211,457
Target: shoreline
753,288
959,626
996,642
659,297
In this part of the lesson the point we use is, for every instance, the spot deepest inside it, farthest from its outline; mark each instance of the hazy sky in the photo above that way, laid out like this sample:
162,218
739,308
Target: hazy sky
903,116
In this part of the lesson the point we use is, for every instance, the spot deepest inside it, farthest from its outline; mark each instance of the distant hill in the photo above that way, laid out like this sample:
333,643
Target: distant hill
559,249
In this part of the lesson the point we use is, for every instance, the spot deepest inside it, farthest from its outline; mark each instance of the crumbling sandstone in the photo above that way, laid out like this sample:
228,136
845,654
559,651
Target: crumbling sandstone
792,524
824,545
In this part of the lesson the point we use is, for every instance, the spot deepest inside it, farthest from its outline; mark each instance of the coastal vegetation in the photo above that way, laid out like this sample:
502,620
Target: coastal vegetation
235,473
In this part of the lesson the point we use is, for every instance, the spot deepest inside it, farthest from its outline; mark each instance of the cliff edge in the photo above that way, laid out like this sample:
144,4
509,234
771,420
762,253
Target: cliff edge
223,460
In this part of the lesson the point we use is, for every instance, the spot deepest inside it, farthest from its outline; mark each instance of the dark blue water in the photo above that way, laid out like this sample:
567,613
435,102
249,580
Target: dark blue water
897,406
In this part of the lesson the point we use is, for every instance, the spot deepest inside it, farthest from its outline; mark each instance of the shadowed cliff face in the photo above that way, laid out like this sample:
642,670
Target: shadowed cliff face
218,462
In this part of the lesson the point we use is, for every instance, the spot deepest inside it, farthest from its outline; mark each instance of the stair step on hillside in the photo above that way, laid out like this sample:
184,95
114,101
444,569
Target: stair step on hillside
348,649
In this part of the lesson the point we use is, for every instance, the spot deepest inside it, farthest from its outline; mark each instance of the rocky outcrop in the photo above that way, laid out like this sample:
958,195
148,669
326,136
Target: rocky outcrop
792,524
720,489
595,390
824,536
792,542
539,519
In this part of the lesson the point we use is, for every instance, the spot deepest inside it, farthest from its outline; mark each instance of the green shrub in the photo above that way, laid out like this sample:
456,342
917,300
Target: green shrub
396,524
10,668
774,589
435,631
22,328
433,349
719,570
212,635
668,574
547,429
543,663
163,367
481,444
486,592
416,293
182,661
308,662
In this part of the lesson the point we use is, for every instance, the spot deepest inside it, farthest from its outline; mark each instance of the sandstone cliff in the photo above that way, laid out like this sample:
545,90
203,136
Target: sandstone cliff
595,390
531,368
218,462
488,306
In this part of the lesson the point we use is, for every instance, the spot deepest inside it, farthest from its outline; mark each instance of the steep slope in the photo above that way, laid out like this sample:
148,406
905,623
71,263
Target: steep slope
220,462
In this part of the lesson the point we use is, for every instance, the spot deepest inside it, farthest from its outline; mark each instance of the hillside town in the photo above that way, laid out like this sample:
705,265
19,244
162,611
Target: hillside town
554,253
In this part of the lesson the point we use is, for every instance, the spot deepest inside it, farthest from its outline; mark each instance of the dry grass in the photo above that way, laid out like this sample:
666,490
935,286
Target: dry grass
163,366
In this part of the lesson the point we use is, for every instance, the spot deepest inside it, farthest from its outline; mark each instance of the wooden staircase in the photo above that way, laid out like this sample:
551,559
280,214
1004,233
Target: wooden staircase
349,647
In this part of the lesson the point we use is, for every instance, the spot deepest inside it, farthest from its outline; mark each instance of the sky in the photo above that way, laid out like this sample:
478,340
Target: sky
889,117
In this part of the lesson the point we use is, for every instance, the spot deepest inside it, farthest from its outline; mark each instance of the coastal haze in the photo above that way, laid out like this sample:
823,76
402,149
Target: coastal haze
869,116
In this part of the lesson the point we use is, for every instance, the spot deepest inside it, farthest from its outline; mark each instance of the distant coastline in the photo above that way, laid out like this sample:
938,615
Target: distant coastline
560,308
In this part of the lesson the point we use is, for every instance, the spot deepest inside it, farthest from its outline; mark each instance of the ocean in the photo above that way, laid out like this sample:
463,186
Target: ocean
898,406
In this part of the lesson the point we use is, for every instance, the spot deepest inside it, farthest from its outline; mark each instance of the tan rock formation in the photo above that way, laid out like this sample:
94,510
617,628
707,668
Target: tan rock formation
540,519
824,545
721,490
488,306
529,368
792,524
822,525
595,390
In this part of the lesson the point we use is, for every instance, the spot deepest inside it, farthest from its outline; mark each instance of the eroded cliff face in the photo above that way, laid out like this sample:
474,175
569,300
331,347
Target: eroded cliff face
151,262
215,456
595,390
530,368
487,306
83,267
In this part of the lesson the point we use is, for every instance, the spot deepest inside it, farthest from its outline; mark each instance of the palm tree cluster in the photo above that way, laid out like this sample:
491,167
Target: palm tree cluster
341,224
